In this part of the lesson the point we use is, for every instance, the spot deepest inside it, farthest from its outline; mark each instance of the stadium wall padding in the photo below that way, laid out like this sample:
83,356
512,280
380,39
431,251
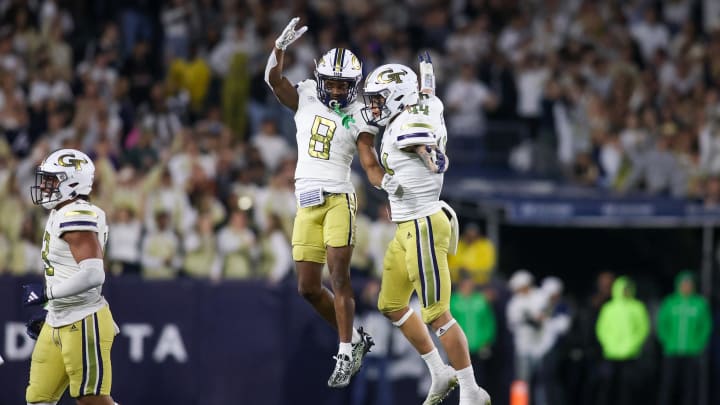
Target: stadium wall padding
193,342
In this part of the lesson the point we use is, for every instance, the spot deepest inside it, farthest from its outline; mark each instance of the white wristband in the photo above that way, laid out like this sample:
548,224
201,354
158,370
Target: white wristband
271,63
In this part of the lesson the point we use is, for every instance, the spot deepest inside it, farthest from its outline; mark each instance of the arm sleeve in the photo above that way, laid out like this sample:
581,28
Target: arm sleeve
271,63
91,275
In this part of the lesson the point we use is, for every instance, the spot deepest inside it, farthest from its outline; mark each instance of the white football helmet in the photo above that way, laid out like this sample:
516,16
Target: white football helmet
342,65
62,176
389,89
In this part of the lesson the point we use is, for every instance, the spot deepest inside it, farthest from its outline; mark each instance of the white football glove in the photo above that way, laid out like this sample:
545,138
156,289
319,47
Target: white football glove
289,34
427,74
391,185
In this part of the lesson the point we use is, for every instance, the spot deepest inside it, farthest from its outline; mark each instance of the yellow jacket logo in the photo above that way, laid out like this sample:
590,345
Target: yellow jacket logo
388,76
69,161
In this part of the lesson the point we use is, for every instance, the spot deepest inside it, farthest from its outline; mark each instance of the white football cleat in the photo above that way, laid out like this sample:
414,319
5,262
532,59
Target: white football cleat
340,377
360,349
442,385
475,396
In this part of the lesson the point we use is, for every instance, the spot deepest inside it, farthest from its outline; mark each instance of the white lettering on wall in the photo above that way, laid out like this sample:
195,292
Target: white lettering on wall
170,344
136,332
18,345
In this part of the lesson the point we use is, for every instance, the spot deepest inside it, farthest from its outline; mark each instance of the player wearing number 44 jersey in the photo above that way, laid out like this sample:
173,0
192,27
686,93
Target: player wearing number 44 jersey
330,130
75,337
413,151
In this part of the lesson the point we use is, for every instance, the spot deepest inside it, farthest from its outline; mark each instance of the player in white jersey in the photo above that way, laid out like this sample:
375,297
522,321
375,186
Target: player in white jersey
330,130
74,342
412,151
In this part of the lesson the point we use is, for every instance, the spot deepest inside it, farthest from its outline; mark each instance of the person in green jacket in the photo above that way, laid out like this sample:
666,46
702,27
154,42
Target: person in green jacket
622,329
683,328
474,313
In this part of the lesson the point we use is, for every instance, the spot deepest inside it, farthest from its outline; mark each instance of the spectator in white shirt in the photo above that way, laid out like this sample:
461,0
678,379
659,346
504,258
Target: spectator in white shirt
465,99
531,76
525,320
272,146
676,12
612,158
201,258
709,140
513,36
123,242
161,257
236,40
650,34
472,42
237,246
276,258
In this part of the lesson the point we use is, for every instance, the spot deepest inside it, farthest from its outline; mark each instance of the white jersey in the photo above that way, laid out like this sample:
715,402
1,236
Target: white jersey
421,124
60,265
325,147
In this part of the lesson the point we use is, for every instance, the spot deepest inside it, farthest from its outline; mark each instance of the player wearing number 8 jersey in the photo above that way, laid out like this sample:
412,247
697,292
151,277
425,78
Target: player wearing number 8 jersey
413,151
330,130
73,345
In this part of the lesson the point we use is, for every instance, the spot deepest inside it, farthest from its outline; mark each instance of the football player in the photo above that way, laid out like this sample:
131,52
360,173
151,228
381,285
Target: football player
413,152
74,341
330,130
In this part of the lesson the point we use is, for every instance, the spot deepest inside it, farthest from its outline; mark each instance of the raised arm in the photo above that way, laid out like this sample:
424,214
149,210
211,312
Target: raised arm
279,84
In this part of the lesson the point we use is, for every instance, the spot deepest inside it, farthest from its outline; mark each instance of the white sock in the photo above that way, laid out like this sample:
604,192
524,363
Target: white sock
346,349
466,377
355,337
433,361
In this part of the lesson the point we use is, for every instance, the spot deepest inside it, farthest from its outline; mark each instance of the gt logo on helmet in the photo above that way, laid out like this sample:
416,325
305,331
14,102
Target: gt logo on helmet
69,160
388,76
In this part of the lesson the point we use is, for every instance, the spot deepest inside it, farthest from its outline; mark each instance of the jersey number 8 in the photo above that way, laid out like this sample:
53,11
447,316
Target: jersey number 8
321,134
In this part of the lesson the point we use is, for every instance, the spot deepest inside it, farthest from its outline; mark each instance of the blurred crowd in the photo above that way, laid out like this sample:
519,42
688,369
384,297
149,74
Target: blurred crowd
195,156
